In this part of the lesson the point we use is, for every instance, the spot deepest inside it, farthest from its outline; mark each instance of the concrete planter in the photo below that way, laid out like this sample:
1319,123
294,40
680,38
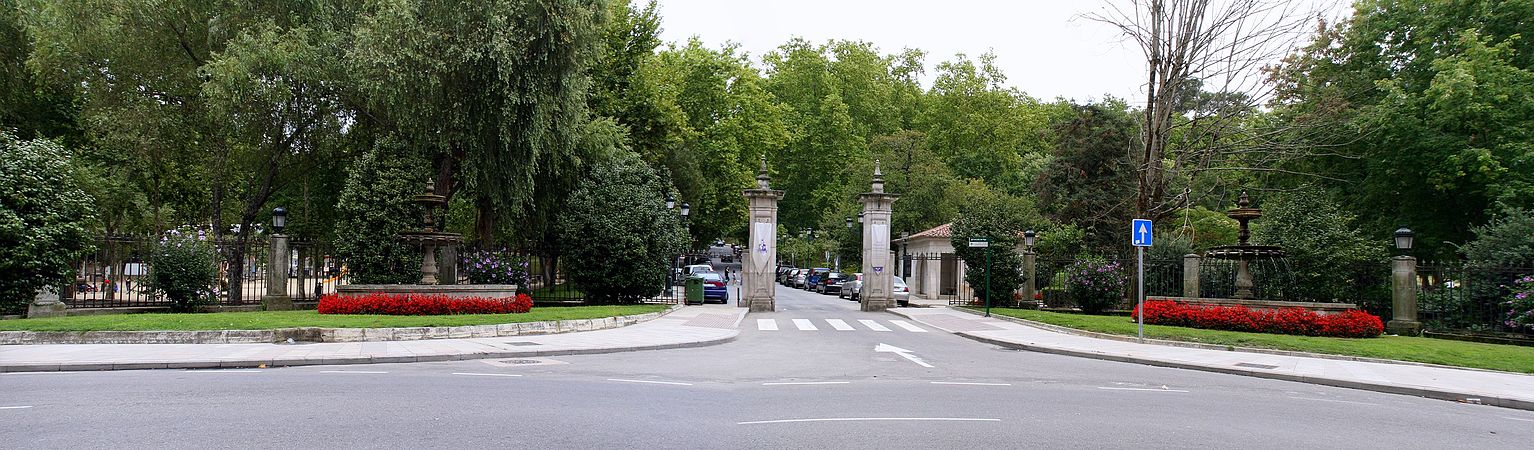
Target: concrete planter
1318,308
450,290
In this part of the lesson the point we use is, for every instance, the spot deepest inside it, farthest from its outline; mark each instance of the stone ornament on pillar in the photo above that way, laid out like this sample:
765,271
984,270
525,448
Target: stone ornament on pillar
46,304
758,291
878,270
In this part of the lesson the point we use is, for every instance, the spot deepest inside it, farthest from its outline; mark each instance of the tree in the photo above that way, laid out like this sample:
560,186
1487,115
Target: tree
28,108
374,206
619,237
44,219
1192,46
981,129
1001,219
1087,181
1328,258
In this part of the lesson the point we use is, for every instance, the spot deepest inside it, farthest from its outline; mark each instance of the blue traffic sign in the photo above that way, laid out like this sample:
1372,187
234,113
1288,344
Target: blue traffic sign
1141,233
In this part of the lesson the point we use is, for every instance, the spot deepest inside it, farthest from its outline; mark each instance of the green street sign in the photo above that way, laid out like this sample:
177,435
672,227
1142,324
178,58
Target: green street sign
979,242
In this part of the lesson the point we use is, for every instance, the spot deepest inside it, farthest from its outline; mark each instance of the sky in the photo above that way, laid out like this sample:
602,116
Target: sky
1046,48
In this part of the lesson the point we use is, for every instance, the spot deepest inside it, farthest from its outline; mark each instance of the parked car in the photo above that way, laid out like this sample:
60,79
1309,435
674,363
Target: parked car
783,274
831,283
898,289
849,285
714,287
814,278
695,268
800,278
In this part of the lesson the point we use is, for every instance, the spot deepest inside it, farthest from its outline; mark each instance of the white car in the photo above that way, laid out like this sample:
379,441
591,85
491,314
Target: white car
696,268
850,285
901,292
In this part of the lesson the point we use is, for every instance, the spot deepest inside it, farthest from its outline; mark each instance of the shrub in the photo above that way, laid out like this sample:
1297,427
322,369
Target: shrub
494,267
43,219
1000,218
1095,285
374,206
1520,304
618,236
1296,321
423,304
183,269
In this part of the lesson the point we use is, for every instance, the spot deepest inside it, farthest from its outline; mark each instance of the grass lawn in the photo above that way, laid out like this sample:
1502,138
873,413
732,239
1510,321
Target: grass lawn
1509,358
265,320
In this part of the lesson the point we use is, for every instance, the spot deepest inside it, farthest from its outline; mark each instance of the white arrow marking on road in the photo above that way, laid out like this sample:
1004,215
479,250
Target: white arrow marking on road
902,352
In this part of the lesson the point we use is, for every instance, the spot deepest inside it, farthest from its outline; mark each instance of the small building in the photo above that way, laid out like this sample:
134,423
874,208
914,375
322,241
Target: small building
931,268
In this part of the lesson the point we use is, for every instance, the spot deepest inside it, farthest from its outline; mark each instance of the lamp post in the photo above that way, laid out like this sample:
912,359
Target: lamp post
1403,283
1029,264
276,298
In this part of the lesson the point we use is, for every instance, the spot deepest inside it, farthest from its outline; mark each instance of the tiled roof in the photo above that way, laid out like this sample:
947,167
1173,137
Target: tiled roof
943,231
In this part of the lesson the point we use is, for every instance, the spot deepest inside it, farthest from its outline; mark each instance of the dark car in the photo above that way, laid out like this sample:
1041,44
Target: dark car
784,274
814,277
714,287
831,283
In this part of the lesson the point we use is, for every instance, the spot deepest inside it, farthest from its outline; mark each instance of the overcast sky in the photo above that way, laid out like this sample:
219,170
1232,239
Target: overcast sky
1044,47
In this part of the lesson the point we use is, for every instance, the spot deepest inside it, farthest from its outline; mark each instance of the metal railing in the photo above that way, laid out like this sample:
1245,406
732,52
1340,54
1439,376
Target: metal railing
1466,296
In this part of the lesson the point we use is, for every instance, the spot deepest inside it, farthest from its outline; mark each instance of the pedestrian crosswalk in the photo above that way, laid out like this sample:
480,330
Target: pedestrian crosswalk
837,325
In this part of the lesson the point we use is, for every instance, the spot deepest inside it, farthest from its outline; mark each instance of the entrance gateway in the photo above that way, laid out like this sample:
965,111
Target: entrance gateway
759,267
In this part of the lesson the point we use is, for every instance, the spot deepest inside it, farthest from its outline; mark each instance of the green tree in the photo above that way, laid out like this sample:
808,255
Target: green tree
1088,181
374,206
619,237
1328,259
45,219
1001,219
982,129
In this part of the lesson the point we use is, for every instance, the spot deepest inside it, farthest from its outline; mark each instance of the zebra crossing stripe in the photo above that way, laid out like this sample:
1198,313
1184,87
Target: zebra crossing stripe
872,325
805,325
839,324
908,326
766,324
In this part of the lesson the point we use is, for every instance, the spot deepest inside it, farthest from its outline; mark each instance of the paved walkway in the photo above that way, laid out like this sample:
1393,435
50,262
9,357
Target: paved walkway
690,326
1464,385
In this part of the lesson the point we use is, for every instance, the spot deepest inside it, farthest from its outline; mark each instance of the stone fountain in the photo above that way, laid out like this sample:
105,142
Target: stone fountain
431,238
1243,252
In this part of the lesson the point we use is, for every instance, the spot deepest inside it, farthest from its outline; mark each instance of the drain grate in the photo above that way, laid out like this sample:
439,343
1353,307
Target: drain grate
522,362
522,343
1256,366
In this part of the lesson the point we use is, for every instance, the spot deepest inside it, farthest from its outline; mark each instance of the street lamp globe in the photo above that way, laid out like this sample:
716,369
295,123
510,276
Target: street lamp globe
860,217
279,219
686,209
670,201
1404,238
849,223
1028,237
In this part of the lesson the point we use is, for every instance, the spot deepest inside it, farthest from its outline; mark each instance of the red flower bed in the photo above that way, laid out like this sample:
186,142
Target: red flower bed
1351,323
422,304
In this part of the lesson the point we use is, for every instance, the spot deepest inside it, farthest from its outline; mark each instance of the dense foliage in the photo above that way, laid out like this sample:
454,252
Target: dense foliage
1096,285
1329,259
183,269
997,268
493,267
375,205
620,239
1520,304
45,219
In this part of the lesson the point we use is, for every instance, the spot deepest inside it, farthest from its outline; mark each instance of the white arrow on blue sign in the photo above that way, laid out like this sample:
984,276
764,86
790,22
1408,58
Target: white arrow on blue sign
1141,233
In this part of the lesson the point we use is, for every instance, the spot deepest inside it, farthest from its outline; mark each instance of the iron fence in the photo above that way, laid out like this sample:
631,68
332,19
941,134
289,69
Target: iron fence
1466,296
1163,278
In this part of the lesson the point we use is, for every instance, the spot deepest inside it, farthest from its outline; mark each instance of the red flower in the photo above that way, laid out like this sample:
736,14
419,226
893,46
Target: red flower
422,304
1298,321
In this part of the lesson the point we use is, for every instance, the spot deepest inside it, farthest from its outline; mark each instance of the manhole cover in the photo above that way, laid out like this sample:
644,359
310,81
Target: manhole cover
522,343
1256,366
523,362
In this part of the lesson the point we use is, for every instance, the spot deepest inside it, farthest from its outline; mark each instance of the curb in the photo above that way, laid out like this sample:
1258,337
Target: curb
316,334
1229,348
296,362
1376,387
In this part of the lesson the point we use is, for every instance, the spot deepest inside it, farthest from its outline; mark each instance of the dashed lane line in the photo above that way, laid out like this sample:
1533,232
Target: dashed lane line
352,371
473,374
872,419
1335,401
674,383
1139,389
805,383
16,407
965,383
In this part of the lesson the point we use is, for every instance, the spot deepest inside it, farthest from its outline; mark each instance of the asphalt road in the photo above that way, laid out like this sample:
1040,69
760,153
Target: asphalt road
786,388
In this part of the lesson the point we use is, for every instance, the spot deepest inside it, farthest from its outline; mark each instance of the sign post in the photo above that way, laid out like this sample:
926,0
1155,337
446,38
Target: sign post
986,244
1141,234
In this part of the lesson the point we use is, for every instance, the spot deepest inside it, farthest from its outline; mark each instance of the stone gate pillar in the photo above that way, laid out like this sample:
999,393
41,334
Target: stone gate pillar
877,267
276,298
761,262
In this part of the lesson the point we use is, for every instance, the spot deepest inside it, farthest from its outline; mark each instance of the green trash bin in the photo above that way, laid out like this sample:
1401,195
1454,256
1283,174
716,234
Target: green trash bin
694,288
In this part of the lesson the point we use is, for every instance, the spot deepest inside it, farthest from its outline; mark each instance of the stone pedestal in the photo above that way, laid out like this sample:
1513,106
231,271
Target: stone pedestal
276,298
1190,280
46,304
876,294
758,291
447,267
1030,265
1403,284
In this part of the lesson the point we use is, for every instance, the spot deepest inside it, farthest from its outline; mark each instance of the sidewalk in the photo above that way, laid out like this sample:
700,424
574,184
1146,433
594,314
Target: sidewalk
690,326
1464,385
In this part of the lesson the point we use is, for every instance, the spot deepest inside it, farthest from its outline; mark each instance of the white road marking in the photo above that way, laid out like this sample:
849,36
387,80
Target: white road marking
766,324
872,325
487,374
962,383
1515,418
740,317
15,407
805,325
350,371
908,326
1335,401
882,347
791,383
1139,389
650,382
839,324
224,371
872,419
39,373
